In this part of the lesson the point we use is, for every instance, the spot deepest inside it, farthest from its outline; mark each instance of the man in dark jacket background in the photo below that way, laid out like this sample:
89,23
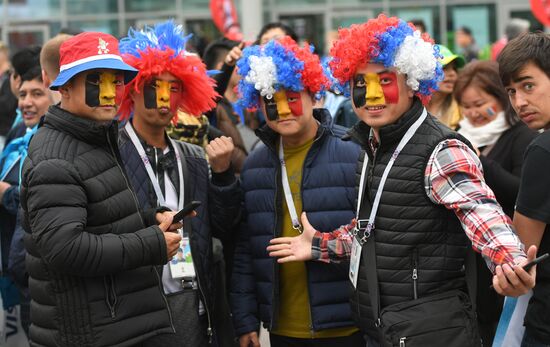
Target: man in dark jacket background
301,166
176,173
91,251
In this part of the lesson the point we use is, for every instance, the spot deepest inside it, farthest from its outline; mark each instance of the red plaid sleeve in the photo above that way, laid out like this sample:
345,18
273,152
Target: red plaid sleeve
454,178
334,246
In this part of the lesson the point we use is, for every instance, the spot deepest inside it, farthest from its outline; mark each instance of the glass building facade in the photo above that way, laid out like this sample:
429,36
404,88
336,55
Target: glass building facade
25,22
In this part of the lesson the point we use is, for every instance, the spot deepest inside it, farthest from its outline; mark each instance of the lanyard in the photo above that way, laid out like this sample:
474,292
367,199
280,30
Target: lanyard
404,140
149,168
288,194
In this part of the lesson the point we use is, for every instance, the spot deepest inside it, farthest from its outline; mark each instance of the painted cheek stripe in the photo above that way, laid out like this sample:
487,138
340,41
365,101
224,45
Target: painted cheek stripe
295,105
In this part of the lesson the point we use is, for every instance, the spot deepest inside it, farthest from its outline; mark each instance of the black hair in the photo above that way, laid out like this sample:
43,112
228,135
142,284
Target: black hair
274,25
527,48
466,30
25,59
34,73
216,52
418,23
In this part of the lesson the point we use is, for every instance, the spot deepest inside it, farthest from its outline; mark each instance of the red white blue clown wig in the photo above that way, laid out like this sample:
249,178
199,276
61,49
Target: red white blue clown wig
392,42
159,49
279,64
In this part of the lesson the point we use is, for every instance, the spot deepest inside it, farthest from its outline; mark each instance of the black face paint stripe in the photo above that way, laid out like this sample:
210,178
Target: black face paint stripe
150,95
359,93
92,89
271,109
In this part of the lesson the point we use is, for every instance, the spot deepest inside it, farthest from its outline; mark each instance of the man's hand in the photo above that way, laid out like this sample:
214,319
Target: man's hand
249,340
161,217
172,238
219,153
234,54
514,281
296,248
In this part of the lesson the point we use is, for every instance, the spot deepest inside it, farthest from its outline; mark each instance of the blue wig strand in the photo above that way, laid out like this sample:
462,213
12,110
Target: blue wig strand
162,36
390,41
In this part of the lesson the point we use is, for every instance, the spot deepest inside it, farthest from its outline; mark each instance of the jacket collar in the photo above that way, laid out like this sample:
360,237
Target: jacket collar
389,134
83,129
270,137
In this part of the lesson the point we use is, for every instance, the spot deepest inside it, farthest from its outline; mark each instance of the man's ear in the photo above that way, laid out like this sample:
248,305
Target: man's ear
46,79
64,90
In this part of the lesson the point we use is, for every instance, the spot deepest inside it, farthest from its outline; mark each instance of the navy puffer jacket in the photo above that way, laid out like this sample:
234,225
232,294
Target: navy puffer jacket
328,196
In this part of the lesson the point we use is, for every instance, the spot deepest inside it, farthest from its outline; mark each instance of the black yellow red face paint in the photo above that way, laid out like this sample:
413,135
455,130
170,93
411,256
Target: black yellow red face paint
373,89
159,94
283,104
104,88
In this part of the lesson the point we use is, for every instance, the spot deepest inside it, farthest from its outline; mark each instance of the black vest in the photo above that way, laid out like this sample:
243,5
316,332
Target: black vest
410,230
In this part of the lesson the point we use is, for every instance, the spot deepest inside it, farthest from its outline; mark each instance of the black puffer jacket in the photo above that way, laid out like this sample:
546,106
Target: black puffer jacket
90,256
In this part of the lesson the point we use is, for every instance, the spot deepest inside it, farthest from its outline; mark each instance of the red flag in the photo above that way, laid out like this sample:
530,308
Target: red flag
541,10
224,16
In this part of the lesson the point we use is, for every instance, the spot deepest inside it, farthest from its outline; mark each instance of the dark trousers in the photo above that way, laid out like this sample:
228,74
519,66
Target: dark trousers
190,327
354,340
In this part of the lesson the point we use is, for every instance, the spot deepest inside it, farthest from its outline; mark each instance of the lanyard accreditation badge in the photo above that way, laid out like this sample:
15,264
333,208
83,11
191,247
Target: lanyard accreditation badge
366,226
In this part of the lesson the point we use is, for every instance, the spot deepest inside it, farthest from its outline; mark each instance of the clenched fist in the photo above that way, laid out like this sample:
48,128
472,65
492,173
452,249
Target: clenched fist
219,153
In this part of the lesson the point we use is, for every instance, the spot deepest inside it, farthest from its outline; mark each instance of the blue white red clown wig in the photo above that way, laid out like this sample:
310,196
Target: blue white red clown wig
392,42
279,64
159,49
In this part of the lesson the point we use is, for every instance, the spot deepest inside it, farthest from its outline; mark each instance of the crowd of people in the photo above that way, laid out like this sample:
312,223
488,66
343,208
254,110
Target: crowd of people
389,194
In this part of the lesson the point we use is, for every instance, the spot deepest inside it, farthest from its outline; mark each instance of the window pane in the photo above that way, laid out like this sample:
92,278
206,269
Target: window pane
91,6
30,9
479,18
150,5
429,15
106,26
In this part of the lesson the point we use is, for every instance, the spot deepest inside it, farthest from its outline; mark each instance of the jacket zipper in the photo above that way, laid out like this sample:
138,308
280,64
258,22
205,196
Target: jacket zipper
415,273
311,328
274,287
110,293
143,223
209,332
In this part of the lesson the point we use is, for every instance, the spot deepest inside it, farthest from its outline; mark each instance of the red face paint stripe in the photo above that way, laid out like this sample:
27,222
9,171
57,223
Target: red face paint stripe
388,81
295,102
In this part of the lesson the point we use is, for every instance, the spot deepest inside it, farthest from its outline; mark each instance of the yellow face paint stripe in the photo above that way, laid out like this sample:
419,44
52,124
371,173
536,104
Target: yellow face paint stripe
163,94
107,88
374,93
282,104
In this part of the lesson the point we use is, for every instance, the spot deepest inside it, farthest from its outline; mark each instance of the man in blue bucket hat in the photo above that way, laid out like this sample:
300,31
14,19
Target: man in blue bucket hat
91,251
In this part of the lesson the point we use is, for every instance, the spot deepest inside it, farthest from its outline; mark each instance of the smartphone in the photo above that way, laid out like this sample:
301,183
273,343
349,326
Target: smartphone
186,210
530,264
535,261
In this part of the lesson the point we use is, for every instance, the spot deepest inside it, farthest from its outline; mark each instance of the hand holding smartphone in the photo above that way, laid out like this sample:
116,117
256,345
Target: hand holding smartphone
190,207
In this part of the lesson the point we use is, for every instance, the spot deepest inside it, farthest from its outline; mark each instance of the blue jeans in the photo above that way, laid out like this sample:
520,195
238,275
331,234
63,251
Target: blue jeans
530,341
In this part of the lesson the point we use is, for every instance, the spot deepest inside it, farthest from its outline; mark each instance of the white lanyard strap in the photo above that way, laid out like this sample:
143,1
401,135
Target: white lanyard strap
404,140
152,177
288,194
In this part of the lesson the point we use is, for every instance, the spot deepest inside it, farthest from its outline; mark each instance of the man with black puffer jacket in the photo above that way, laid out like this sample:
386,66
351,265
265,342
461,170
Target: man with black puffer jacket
303,165
91,251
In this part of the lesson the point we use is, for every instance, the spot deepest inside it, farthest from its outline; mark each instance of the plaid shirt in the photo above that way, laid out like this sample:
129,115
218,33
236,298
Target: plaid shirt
453,178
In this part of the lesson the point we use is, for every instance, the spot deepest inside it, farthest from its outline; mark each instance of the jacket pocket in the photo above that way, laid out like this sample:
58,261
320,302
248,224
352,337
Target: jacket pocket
110,295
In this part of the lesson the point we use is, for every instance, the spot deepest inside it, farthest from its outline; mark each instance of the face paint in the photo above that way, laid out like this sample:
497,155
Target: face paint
375,89
491,111
359,91
294,100
388,81
271,109
161,94
103,89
